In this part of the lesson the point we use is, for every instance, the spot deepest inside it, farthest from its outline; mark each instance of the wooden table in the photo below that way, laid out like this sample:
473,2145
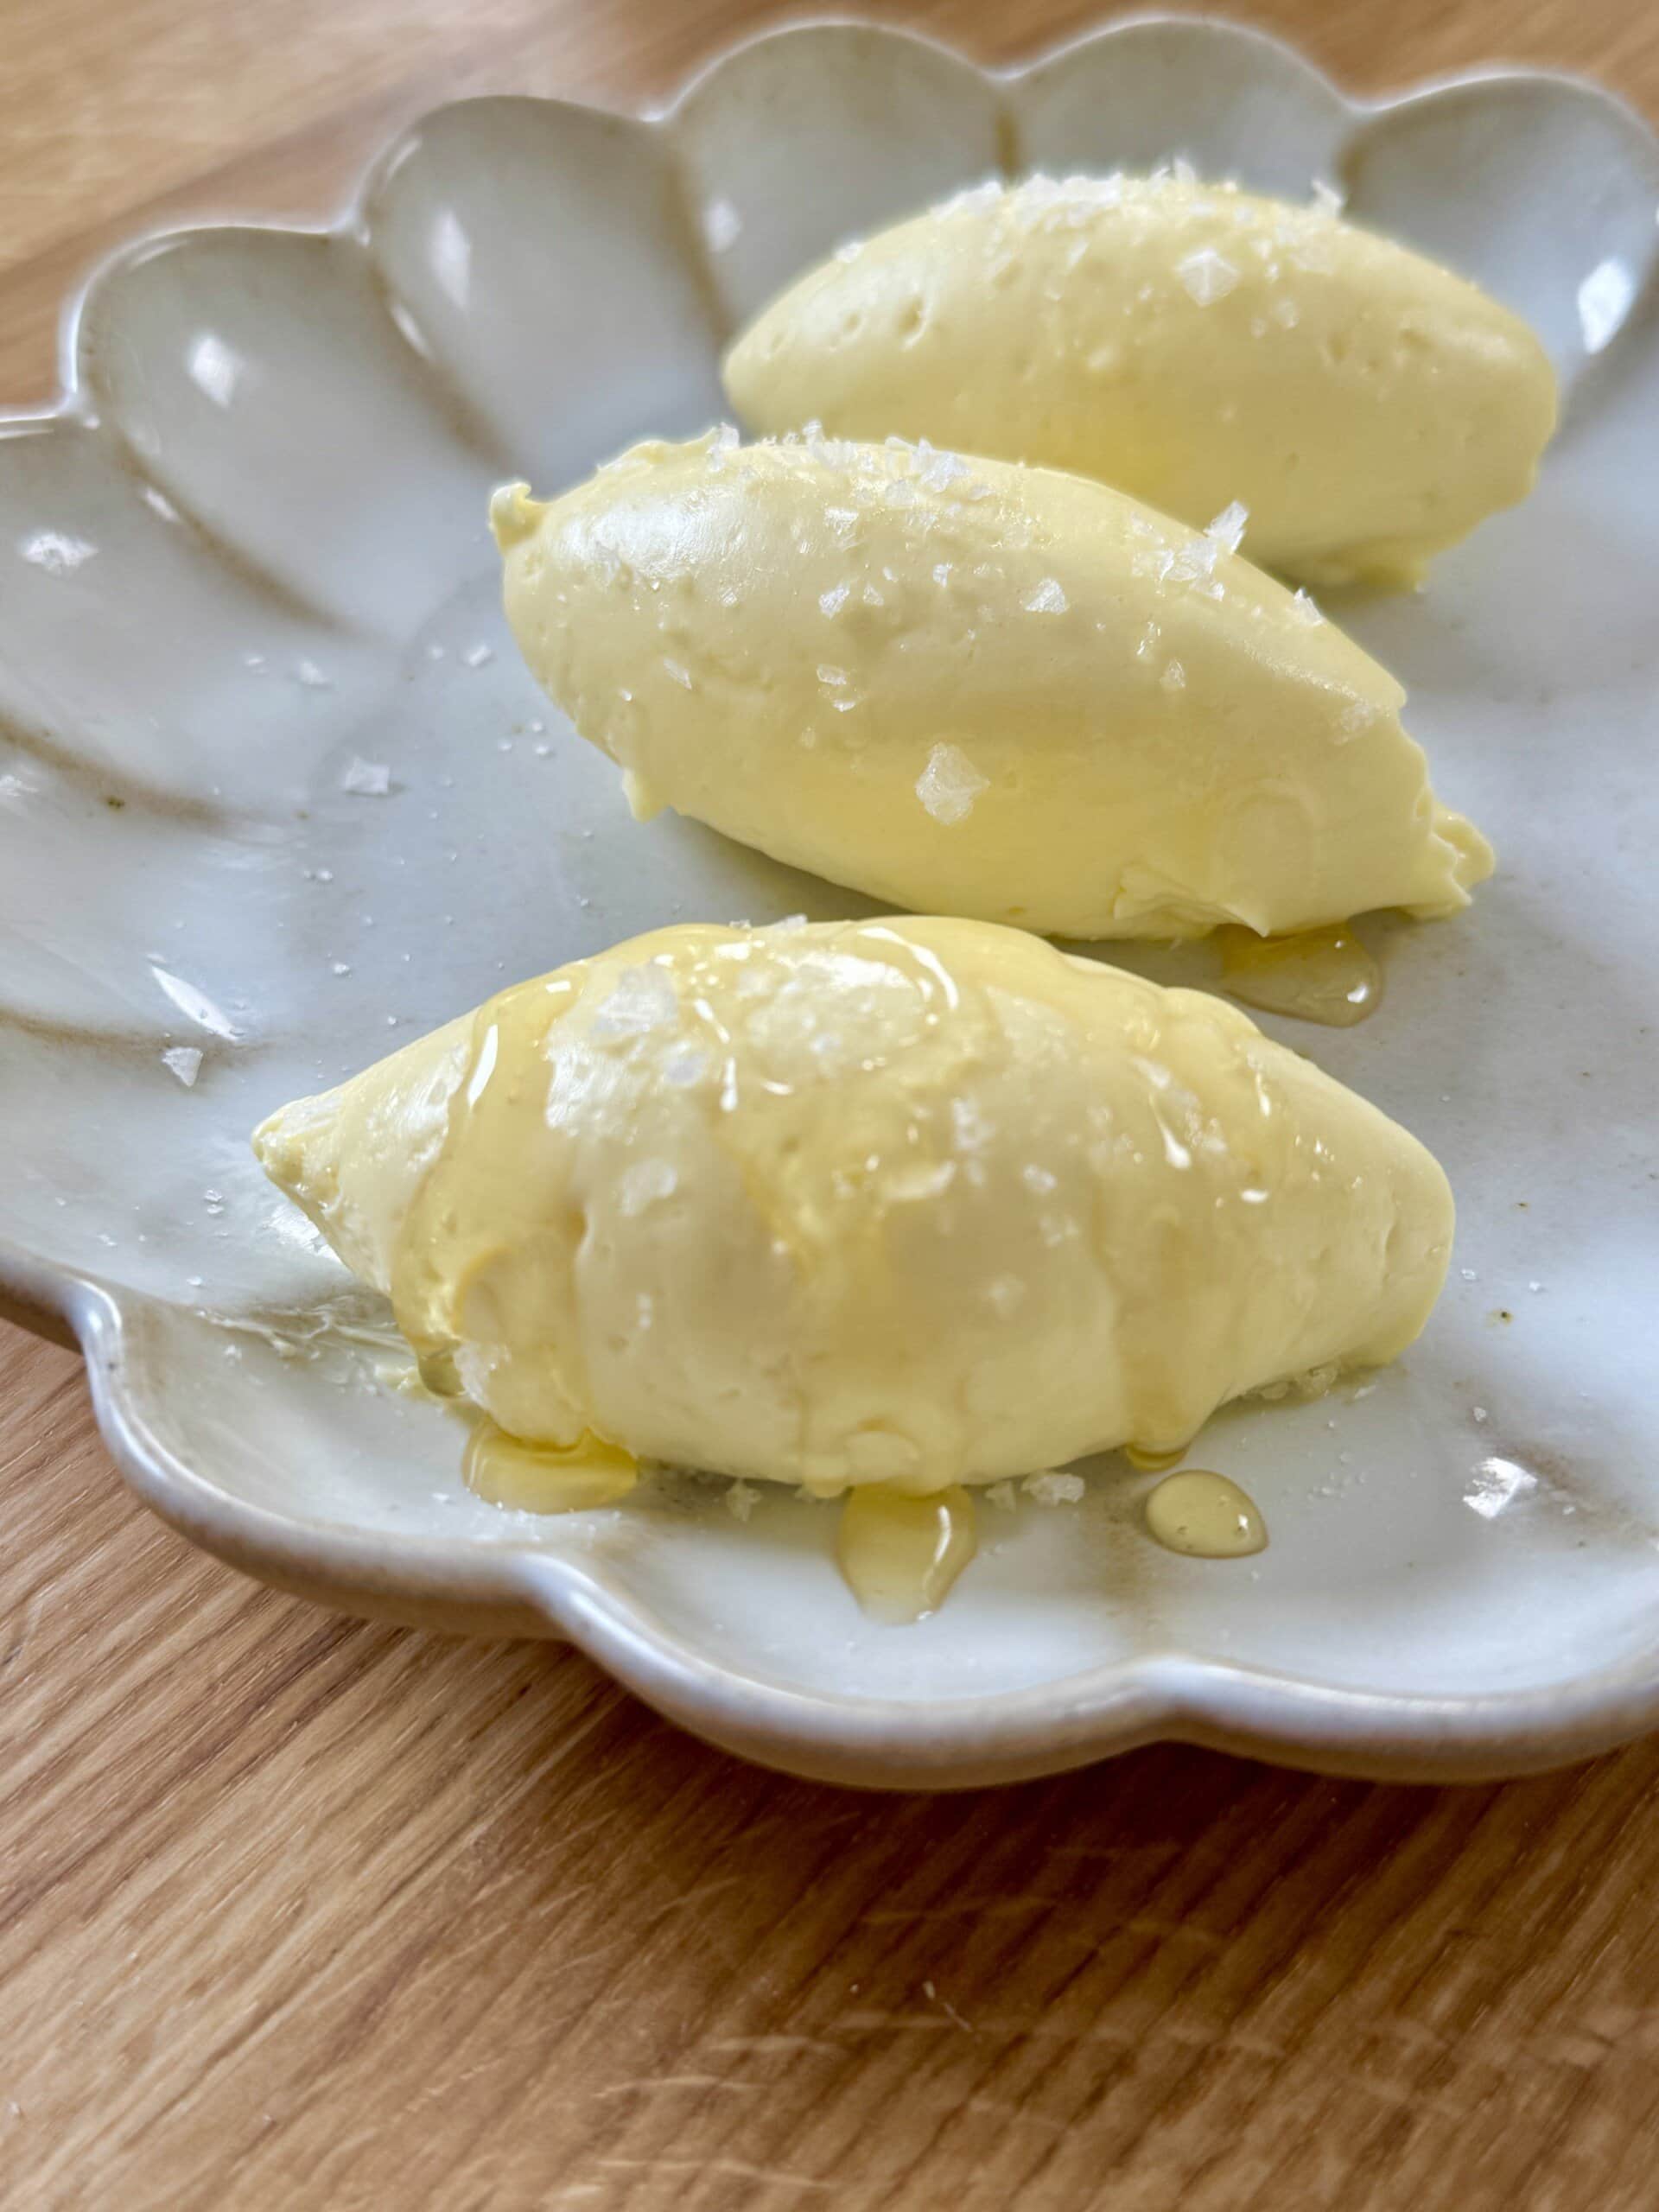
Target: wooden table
297,1912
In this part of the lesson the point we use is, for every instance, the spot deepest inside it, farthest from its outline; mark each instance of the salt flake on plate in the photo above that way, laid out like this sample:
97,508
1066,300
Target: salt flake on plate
1054,1490
366,779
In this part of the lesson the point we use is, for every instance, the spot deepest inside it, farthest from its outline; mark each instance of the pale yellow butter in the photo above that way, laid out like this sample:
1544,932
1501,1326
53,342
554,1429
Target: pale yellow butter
916,1201
968,687
1189,343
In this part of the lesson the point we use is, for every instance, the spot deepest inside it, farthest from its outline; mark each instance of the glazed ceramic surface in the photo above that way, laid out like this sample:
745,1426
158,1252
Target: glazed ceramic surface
244,569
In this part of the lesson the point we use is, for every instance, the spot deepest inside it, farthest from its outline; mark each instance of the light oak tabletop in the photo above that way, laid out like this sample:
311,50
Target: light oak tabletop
300,1912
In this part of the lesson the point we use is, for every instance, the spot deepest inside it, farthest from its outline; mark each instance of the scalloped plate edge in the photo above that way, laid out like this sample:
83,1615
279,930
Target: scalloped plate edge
958,1743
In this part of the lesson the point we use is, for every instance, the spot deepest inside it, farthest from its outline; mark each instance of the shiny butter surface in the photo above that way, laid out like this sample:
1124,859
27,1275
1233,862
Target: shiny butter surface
1190,343
972,688
916,1201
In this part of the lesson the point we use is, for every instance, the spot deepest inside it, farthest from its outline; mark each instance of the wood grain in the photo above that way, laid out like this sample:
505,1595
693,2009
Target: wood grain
300,1912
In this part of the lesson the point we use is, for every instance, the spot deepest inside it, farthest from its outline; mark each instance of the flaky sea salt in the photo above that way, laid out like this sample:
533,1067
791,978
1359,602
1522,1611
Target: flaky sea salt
193,1003
948,784
1054,1490
1227,530
478,655
644,1184
366,779
1001,1495
975,199
642,999
56,551
1194,563
741,1499
940,471
1173,677
1206,275
1048,598
685,1067
183,1061
1307,609
1497,1485
1354,718
971,1128
831,602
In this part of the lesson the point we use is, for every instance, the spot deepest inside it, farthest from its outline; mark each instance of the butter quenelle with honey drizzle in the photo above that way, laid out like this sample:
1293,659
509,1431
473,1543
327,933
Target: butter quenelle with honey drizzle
917,1203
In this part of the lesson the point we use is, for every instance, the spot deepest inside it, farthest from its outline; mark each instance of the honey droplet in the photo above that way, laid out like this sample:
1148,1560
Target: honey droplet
1326,975
543,1478
1206,1516
1154,1463
899,1554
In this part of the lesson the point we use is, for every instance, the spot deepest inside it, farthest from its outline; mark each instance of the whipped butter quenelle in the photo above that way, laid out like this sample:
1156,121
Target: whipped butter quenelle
914,1203
1189,343
970,687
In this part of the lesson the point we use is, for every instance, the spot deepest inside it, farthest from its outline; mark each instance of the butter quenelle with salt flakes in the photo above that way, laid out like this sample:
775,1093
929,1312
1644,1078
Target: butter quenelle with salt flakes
1189,343
965,686
917,1202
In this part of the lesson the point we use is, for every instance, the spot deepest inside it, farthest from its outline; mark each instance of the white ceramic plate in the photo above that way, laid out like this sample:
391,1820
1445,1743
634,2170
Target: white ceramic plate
249,548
